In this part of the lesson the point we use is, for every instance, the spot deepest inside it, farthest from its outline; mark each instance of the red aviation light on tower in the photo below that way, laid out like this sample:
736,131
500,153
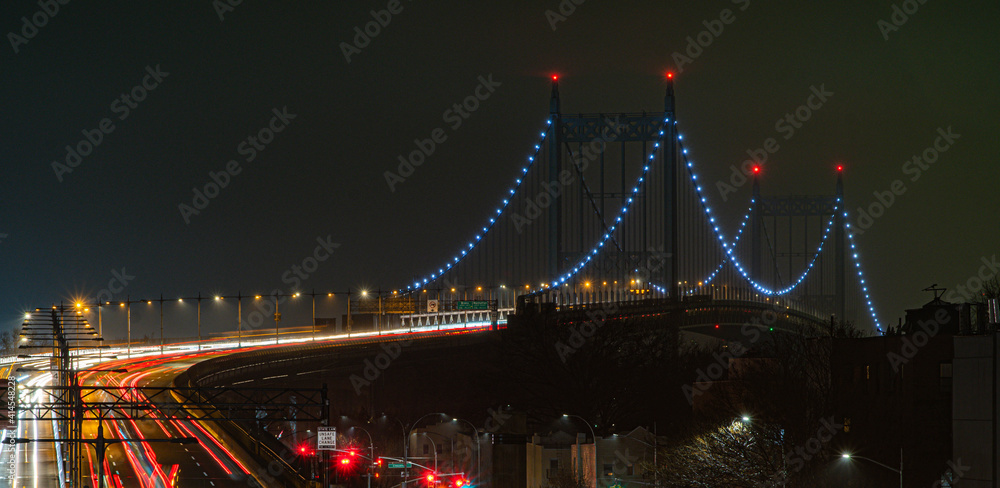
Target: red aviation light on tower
555,77
670,75
756,169
840,168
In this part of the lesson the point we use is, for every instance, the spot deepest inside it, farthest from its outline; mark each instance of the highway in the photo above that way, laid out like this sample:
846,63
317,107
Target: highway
204,463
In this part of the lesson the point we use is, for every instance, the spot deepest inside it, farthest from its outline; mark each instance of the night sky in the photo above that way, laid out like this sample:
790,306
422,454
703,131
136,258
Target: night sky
323,174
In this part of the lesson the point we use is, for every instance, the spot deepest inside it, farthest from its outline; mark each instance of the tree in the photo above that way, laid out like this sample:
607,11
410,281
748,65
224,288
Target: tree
9,342
738,454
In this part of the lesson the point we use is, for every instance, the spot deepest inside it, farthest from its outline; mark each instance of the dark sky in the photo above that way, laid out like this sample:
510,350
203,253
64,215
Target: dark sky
323,174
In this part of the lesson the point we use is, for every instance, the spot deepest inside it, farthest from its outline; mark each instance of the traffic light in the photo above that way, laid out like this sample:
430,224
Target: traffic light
431,479
346,461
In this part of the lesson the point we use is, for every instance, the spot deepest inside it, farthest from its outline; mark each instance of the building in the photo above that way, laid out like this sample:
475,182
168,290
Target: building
616,460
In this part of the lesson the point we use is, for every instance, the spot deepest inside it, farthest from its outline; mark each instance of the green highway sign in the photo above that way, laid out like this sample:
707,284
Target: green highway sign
473,305
398,465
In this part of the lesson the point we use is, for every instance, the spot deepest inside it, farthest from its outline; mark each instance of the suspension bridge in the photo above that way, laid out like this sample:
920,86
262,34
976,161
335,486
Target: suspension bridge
606,213
608,208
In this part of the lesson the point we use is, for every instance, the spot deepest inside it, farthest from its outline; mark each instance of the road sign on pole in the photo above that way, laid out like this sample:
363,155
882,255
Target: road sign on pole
473,305
326,438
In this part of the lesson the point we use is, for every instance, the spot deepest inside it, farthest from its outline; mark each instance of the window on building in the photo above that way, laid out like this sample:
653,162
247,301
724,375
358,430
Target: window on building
608,469
554,463
945,377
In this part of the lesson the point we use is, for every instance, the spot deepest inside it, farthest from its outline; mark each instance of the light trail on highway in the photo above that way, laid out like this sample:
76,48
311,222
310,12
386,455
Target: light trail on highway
207,462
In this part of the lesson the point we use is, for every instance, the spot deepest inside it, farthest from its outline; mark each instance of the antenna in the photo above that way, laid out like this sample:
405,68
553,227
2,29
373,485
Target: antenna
937,291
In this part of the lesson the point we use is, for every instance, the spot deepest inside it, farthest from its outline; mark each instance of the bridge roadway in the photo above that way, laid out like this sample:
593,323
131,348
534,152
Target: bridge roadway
207,463
693,316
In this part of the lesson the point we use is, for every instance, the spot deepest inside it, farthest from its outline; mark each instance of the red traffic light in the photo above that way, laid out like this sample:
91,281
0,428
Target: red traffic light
430,477
345,461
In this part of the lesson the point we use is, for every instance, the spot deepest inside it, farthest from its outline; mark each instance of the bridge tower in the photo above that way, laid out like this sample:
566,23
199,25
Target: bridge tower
840,249
773,218
555,167
670,162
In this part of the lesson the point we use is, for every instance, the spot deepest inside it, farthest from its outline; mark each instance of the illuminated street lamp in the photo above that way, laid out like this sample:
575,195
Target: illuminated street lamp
277,314
579,448
848,455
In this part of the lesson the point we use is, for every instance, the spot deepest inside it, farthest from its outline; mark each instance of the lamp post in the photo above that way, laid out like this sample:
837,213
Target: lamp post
199,297
406,445
239,319
890,468
479,459
128,320
656,481
435,449
277,313
161,324
371,447
579,448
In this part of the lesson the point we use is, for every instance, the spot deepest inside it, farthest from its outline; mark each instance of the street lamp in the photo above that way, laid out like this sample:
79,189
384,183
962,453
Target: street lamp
277,314
406,445
579,448
847,455
199,298
371,446
475,432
